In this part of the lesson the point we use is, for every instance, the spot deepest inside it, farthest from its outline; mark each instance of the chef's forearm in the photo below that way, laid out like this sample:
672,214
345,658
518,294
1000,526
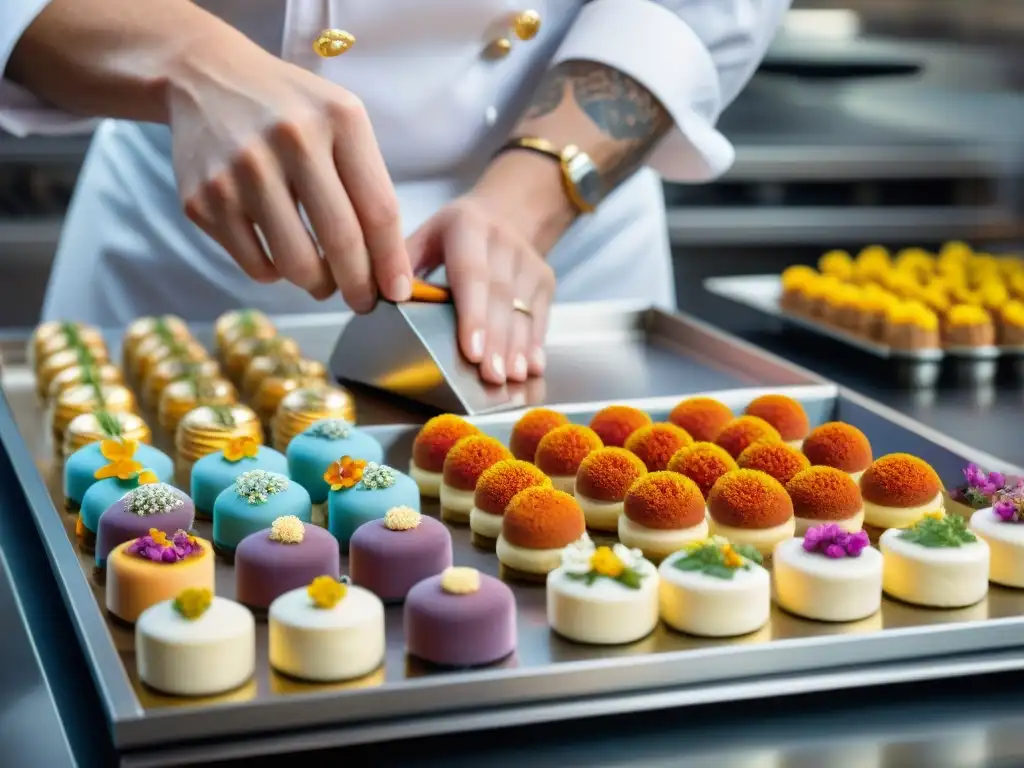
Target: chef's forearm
117,58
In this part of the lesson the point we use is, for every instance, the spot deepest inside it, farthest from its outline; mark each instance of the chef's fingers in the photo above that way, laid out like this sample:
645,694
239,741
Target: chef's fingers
217,209
501,269
520,319
465,249
270,205
365,176
425,246
540,309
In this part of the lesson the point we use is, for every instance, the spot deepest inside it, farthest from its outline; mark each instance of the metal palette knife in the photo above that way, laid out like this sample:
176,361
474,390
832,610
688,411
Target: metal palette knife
411,350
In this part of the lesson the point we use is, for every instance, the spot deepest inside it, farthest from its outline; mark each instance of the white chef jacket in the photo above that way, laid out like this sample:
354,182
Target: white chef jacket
439,107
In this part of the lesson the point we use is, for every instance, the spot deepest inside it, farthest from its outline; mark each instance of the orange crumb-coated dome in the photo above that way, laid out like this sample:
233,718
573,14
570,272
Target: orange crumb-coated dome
840,445
665,501
530,428
542,518
900,480
784,413
824,493
562,450
500,482
656,444
742,432
748,498
468,459
617,422
702,417
703,463
436,438
779,460
607,473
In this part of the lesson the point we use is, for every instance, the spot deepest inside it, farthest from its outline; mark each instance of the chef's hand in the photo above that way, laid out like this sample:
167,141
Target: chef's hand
253,138
491,243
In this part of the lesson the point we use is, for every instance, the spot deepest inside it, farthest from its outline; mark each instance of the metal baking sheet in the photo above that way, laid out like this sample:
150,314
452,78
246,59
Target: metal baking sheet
548,677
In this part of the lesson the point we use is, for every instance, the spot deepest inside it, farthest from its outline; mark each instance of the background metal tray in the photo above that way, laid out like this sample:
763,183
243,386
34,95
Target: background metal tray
548,678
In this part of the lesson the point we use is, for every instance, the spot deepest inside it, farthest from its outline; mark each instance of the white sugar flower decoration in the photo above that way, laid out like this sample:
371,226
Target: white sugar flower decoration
631,558
576,556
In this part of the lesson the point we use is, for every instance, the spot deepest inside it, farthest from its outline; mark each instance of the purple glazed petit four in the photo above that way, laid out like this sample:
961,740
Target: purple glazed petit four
154,505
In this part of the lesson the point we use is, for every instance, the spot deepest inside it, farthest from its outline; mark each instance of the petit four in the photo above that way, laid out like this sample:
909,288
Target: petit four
602,481
1011,323
153,505
430,448
714,589
743,431
531,427
825,495
561,451
615,423
92,374
209,429
287,555
287,377
780,460
839,445
656,444
602,595
125,456
936,562
155,349
53,365
55,336
184,395
1000,527
389,556
538,524
195,644
910,325
795,280
155,567
311,453
785,414
662,512
981,488
173,369
85,398
241,324
460,618
168,327
256,499
751,508
363,491
494,490
701,417
967,325
103,425
828,575
241,352
898,490
272,366
302,408
326,632
703,463
463,465
216,471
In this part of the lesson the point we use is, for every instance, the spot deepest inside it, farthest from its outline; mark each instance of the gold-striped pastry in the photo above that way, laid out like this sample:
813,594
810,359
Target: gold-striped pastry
51,366
272,390
168,327
183,395
103,425
154,349
51,338
104,373
242,352
301,407
208,429
85,398
262,367
172,369
241,324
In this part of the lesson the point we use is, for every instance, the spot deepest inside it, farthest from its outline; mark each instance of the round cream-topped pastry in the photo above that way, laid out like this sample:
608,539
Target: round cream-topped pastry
538,524
1002,528
662,513
561,451
602,595
751,508
602,481
430,448
828,575
839,445
898,490
785,414
494,490
936,562
463,465
825,495
713,589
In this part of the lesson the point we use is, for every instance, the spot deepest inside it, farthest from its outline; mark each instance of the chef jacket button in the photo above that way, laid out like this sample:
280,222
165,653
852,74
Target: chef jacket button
526,25
499,48
491,115
333,42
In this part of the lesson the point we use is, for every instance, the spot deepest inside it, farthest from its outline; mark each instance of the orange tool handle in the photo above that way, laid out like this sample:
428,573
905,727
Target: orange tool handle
429,294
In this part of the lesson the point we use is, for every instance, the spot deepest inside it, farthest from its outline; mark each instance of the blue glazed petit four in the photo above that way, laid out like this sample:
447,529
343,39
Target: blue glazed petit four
81,467
217,471
311,453
379,489
255,500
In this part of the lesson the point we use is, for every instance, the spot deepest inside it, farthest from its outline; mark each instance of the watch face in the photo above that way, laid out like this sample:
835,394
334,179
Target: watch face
587,180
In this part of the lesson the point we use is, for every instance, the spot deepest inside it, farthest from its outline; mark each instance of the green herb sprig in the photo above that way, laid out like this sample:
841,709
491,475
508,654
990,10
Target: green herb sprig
628,578
109,424
948,531
223,415
709,559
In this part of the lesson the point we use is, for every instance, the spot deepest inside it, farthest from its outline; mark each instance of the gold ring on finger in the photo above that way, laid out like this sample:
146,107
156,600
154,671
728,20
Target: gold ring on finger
519,305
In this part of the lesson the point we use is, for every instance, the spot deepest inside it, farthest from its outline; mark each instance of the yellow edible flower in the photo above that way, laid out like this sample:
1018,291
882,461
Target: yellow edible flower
193,602
730,557
238,448
344,473
605,562
326,591
120,455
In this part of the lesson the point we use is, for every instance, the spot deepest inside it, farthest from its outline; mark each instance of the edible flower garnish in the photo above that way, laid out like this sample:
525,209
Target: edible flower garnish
238,448
980,488
287,529
833,542
158,547
258,485
1010,505
327,591
583,561
939,531
153,499
344,473
120,454
193,602
377,477
459,580
330,429
717,558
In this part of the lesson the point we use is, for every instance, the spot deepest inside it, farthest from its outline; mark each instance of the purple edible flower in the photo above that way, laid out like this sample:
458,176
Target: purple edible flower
158,547
1010,505
833,542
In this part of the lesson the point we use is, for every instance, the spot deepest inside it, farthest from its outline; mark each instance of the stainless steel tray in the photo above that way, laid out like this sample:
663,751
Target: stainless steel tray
548,678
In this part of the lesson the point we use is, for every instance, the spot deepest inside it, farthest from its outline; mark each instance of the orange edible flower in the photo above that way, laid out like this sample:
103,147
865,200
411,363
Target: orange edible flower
344,473
244,447
147,476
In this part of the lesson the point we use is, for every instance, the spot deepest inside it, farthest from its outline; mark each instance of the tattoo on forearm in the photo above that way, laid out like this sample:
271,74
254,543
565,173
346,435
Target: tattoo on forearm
617,104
